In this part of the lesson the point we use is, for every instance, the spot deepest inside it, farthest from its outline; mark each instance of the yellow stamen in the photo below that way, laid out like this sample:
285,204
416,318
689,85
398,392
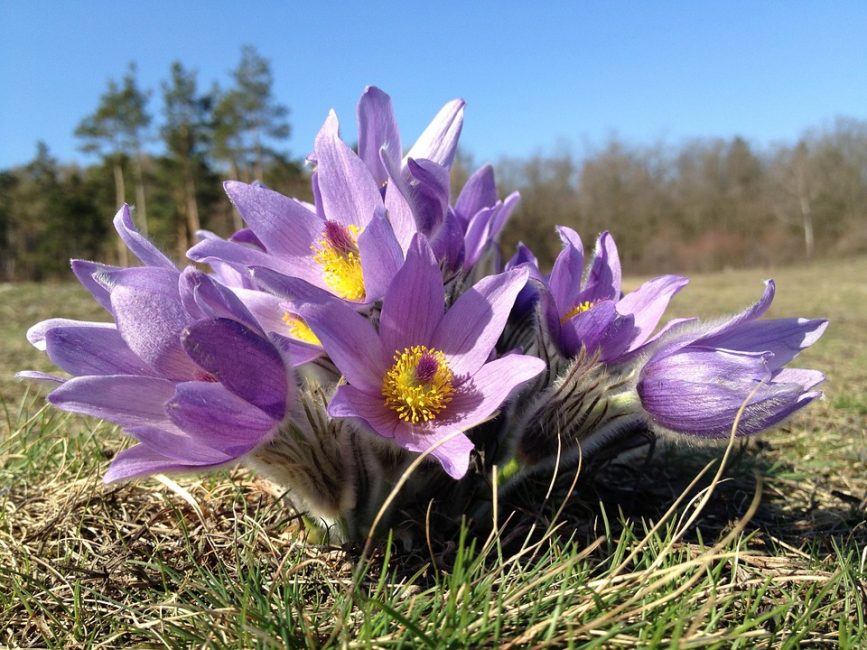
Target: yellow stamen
580,308
419,384
341,266
300,330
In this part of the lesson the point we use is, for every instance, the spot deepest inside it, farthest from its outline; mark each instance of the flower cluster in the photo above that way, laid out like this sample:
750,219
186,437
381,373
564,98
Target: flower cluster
331,342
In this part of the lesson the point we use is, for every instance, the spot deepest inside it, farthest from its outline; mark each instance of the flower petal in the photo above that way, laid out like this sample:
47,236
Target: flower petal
349,193
149,254
381,256
784,338
523,255
805,378
242,257
587,329
93,351
219,418
439,140
414,303
400,215
350,341
502,215
448,243
294,289
565,280
428,186
350,402
243,361
201,294
377,132
151,317
138,405
283,225
452,448
749,314
267,309
709,409
603,278
478,236
298,352
470,329
85,271
37,375
397,207
142,460
480,191
647,304
486,391
36,334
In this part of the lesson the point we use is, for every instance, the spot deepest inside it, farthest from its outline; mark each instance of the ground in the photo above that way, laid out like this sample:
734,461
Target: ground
769,553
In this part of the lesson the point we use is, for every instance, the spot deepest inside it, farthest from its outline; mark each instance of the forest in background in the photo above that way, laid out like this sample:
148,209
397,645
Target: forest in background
701,205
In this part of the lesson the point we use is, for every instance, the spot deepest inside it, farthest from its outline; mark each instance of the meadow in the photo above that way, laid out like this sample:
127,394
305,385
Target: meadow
759,545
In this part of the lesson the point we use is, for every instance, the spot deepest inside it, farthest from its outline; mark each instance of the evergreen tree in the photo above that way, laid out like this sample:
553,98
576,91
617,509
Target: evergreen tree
116,131
186,133
248,120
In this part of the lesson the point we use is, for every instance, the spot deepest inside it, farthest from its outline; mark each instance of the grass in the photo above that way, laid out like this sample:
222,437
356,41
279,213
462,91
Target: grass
769,552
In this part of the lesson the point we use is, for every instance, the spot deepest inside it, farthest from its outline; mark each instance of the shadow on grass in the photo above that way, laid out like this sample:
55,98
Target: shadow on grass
798,513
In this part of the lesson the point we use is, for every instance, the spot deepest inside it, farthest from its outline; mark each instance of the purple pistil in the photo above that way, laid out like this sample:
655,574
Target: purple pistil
427,368
338,238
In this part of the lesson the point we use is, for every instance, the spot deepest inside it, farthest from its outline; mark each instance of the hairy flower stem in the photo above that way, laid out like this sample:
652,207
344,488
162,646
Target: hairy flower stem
585,408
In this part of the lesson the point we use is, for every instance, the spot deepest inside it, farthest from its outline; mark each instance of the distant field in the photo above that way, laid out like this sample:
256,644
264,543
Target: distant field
86,565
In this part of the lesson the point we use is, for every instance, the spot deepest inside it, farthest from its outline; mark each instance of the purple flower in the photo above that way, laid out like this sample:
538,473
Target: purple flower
481,214
527,299
277,317
593,313
415,186
425,375
345,246
185,368
698,377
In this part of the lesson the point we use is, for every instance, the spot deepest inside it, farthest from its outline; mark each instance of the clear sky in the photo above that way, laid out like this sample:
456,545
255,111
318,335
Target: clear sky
533,73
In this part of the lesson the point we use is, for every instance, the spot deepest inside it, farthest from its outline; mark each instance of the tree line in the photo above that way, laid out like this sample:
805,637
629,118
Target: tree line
50,212
703,205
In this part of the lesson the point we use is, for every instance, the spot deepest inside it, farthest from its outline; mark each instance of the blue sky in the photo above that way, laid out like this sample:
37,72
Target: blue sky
533,74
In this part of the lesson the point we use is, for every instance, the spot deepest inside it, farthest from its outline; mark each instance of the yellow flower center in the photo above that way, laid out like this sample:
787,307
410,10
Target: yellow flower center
419,384
337,254
300,330
580,308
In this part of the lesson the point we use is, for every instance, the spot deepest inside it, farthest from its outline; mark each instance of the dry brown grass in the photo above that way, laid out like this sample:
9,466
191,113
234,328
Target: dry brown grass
220,562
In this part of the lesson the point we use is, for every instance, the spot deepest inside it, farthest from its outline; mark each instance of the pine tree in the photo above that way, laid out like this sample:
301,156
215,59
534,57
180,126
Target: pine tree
186,133
248,120
116,132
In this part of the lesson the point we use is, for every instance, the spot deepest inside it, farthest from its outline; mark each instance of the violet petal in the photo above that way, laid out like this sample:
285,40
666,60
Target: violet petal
377,132
439,140
283,225
350,341
470,329
349,193
414,302
381,256
149,254
243,361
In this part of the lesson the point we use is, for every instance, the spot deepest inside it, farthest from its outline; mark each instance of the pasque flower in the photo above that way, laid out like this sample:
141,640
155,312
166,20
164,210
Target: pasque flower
426,375
184,368
415,186
592,313
347,246
482,214
381,283
351,242
697,377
